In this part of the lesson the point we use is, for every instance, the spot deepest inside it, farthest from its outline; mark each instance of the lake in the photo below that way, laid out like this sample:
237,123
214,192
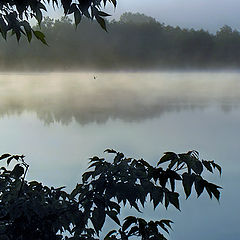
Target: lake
59,120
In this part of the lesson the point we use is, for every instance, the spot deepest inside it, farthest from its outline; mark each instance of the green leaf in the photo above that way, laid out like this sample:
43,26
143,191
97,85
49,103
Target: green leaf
40,36
38,16
28,30
188,180
77,16
102,22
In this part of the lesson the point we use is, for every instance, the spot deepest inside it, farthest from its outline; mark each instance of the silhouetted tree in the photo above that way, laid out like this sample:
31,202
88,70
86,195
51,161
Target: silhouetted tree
29,210
15,15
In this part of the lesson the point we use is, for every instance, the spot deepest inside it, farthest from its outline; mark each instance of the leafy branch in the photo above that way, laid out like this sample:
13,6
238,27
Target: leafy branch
29,210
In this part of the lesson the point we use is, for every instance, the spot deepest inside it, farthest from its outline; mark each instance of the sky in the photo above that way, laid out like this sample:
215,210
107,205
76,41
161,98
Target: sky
206,14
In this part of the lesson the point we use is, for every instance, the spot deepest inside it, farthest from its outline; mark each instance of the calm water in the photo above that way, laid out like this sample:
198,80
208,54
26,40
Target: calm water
59,120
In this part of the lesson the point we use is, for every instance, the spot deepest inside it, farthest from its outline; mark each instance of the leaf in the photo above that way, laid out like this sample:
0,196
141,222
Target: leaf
197,167
9,160
133,231
188,180
28,30
38,16
128,221
107,237
212,189
77,16
199,185
102,22
113,216
216,166
114,205
110,151
103,14
40,36
114,2
96,159
98,218
6,155
157,196
17,171
207,165
86,176
168,156
173,199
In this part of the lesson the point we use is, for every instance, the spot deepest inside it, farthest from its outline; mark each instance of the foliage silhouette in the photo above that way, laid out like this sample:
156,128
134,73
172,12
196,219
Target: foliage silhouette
15,16
29,210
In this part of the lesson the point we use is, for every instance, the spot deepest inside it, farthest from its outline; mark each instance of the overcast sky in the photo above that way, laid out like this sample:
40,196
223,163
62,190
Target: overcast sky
207,14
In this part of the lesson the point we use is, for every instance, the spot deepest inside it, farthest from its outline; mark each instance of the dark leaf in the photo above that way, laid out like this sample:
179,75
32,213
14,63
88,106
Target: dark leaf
197,166
168,156
86,176
77,16
133,231
173,199
188,180
6,155
207,165
17,171
102,22
9,160
110,151
107,237
28,30
128,221
103,14
39,35
113,216
199,185
98,218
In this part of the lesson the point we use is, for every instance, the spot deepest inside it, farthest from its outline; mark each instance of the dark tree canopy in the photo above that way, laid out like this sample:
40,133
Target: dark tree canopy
15,15
29,210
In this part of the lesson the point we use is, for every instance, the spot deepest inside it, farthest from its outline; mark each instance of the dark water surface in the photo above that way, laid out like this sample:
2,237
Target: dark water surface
59,120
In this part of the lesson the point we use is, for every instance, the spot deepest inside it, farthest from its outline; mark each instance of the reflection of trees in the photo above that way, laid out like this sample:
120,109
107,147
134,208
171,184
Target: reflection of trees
132,97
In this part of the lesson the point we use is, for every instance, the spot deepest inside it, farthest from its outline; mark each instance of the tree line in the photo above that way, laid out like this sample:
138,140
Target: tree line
135,41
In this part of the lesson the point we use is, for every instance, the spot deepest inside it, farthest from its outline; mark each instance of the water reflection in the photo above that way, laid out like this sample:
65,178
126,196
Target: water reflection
62,97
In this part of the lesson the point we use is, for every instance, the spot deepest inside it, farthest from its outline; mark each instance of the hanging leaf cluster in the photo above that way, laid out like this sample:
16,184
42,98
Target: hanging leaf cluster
15,15
29,210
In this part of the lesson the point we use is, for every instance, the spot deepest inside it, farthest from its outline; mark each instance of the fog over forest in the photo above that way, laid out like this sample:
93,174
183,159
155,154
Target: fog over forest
135,42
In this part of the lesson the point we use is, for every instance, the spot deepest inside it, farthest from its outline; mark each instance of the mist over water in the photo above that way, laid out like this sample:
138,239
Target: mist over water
98,97
59,120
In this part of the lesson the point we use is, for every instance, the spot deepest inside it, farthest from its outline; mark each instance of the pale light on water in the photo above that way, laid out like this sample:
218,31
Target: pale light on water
58,120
